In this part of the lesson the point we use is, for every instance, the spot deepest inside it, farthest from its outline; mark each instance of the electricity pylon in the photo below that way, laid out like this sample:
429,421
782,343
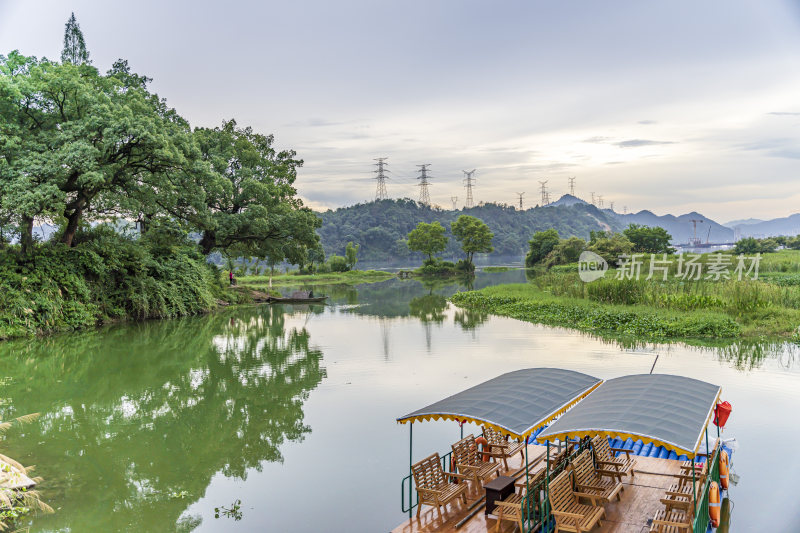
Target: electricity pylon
468,182
380,191
572,186
454,199
520,194
424,195
545,198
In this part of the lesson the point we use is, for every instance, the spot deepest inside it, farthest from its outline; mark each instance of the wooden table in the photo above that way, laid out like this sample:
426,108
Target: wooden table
497,490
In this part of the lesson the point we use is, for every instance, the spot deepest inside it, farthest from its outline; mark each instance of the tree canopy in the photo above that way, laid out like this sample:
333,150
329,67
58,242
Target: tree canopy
74,45
428,239
649,240
473,234
541,244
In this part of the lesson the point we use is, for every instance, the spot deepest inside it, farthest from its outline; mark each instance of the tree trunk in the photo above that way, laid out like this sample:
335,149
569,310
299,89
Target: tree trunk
72,226
26,235
208,242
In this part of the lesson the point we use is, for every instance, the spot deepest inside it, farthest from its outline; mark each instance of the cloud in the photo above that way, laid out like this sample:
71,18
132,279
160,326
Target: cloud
635,143
647,122
597,140
784,113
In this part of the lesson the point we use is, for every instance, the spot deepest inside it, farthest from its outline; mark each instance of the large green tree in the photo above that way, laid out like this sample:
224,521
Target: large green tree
251,199
541,244
428,239
649,240
78,145
473,234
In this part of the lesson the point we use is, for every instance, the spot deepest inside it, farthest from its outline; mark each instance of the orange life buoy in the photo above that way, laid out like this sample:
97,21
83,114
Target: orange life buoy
713,504
485,447
723,469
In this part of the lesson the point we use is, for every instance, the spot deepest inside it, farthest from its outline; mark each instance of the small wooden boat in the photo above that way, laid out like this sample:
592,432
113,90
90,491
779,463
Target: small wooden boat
292,300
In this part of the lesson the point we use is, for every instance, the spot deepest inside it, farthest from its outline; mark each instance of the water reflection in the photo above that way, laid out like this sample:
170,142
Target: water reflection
157,409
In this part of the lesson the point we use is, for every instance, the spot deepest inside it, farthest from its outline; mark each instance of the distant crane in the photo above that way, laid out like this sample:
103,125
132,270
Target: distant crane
695,241
520,194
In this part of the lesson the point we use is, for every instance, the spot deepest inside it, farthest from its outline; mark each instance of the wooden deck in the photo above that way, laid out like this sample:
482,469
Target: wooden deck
640,501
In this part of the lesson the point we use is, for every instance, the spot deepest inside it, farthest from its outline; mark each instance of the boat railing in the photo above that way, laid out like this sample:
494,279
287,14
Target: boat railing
701,517
537,513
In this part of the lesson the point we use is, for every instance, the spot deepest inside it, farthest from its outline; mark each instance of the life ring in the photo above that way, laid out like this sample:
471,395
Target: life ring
723,469
714,504
484,447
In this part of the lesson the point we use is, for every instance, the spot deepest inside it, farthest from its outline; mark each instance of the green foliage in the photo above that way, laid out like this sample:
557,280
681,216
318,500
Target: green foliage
351,255
566,251
541,244
473,234
751,245
428,239
514,301
610,246
337,263
436,267
74,45
104,277
649,240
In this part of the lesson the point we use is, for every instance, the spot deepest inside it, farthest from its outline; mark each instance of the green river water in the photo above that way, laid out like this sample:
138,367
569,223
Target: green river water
291,409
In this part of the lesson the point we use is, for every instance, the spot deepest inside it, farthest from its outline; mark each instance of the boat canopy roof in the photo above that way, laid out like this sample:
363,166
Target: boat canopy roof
516,403
669,411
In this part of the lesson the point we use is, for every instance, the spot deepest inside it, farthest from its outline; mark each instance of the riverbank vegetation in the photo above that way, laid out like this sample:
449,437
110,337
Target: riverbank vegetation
471,233
351,277
677,308
111,203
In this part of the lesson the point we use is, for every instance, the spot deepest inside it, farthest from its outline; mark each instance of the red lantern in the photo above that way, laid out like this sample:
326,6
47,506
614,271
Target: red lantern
721,414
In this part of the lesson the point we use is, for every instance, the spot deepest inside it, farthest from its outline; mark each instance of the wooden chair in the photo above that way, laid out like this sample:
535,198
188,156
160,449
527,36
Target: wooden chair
589,481
569,513
469,461
607,463
674,521
501,447
680,495
433,486
511,508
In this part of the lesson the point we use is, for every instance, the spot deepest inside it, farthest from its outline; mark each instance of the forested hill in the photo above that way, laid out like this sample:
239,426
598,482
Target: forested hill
381,227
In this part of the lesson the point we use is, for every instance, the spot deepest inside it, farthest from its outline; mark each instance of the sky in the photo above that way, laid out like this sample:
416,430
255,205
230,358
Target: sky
671,106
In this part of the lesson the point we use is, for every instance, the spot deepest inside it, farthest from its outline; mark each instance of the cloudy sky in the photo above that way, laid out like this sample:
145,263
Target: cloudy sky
670,106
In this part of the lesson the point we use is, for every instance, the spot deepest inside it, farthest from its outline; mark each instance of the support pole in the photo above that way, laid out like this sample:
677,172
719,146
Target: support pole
547,488
694,488
527,498
410,463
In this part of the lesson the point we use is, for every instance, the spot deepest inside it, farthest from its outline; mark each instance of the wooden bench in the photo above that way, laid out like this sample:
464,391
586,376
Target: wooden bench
501,447
569,513
433,485
589,481
469,461
674,521
609,465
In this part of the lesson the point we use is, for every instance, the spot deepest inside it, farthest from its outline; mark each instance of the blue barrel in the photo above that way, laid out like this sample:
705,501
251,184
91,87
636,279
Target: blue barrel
637,447
672,455
664,453
645,451
655,452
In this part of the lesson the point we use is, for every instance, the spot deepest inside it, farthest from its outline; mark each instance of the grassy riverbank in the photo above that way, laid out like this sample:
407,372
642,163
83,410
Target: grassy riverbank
104,278
352,277
670,309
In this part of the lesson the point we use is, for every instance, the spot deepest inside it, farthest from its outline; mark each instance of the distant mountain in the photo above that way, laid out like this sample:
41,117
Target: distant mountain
770,228
743,222
681,227
381,227
567,200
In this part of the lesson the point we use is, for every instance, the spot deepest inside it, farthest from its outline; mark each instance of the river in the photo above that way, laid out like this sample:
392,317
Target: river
291,409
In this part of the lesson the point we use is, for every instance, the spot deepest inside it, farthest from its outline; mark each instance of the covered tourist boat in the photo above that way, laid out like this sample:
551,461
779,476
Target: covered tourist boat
564,451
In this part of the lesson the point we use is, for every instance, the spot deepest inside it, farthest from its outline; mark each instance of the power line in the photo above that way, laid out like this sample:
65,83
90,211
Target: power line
572,186
545,196
520,194
468,182
424,195
380,191
454,199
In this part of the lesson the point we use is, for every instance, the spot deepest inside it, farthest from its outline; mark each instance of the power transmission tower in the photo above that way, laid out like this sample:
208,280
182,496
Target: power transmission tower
520,194
600,201
612,206
593,199
380,191
572,186
625,209
468,182
424,195
545,196
454,199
